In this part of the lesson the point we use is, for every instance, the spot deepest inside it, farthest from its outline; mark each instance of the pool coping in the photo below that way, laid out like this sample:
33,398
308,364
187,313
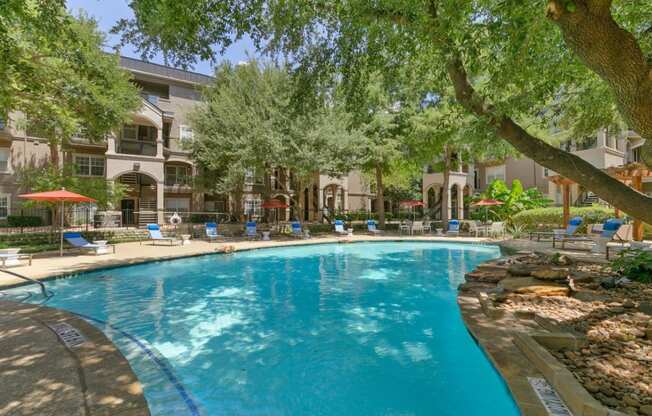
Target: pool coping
45,373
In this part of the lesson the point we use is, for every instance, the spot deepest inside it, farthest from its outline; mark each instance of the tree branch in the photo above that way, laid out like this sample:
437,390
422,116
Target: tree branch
569,165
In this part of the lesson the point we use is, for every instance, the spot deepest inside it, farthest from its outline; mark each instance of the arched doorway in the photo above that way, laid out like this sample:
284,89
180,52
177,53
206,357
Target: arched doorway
282,212
138,206
455,206
433,201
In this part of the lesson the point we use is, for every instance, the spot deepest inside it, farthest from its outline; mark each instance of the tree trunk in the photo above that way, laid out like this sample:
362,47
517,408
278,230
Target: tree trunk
236,204
380,197
614,55
54,153
446,189
635,203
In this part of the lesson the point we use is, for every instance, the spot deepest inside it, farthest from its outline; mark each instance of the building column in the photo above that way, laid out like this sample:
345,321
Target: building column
602,138
110,142
460,203
160,202
159,143
449,205
345,199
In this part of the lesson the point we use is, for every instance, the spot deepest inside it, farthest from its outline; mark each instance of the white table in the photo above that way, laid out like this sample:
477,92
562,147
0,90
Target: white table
185,239
266,235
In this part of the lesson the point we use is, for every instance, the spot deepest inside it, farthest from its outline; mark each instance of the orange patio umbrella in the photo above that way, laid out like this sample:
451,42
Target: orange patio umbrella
61,196
487,203
413,203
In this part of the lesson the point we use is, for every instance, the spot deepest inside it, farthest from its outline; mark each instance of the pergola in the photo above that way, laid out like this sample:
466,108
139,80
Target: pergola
631,175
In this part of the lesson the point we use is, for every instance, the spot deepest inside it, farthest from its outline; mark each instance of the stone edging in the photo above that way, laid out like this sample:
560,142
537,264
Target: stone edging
579,401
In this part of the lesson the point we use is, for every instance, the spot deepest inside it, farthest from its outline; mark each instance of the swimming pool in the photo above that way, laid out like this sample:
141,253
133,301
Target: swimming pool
337,329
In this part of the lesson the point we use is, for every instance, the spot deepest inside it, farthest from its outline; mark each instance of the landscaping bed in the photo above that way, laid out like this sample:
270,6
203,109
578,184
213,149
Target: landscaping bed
612,318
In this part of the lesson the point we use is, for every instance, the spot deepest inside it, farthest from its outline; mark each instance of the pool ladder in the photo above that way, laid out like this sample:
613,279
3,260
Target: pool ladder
46,294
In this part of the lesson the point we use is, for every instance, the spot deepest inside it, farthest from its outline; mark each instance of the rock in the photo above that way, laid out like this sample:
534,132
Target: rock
556,273
608,283
648,334
485,276
592,387
630,400
646,410
530,285
521,269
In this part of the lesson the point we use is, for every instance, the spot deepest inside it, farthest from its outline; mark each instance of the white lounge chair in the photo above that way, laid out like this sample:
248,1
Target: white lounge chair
97,247
11,257
497,229
371,227
339,227
417,227
155,235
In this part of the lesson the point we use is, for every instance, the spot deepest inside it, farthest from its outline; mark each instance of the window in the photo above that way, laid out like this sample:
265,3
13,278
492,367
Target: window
4,159
130,132
252,207
177,204
86,165
546,172
152,90
495,173
185,133
177,175
4,205
250,177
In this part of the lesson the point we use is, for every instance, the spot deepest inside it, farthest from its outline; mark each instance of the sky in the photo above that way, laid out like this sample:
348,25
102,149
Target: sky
108,12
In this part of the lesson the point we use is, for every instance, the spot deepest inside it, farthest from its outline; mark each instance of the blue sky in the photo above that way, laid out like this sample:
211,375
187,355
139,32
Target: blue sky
107,12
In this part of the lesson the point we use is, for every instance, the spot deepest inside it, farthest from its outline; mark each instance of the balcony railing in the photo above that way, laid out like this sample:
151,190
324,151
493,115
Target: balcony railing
136,147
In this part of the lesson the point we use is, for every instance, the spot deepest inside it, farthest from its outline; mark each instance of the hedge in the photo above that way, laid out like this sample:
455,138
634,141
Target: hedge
24,221
552,217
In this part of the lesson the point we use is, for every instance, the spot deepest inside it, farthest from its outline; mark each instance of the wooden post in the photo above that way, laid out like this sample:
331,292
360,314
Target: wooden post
638,224
566,194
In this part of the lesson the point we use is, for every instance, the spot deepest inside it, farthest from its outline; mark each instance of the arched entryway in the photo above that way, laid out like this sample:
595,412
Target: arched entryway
139,204
433,201
333,197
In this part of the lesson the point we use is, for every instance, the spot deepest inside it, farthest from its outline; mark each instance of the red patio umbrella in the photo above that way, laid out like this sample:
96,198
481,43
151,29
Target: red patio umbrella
274,204
487,203
413,203
61,196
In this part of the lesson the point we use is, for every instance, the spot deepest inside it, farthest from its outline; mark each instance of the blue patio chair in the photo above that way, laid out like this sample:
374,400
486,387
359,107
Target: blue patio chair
339,227
250,230
211,232
610,231
76,240
573,225
453,228
297,231
371,227
155,235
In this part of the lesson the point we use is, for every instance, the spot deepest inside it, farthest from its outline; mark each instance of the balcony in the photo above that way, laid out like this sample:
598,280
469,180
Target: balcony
136,147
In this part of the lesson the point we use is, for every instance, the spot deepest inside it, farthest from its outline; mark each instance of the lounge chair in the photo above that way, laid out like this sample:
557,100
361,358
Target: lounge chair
297,230
339,227
155,235
11,257
405,226
371,227
250,230
610,228
453,228
427,227
211,232
97,247
571,229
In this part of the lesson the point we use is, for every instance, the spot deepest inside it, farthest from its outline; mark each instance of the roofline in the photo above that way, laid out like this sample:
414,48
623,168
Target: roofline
207,78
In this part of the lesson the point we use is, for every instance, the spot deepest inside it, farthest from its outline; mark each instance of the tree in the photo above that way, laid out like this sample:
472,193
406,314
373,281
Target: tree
505,60
515,199
247,124
55,72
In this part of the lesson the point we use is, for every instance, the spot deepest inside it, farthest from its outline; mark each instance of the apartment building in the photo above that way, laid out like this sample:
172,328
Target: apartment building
604,150
150,156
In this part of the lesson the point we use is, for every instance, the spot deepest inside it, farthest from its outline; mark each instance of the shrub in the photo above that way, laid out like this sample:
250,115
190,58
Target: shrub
634,264
548,218
24,221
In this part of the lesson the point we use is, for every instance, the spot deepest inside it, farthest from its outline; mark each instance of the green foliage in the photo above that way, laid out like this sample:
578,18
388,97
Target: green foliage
514,199
54,70
107,193
24,221
552,217
634,264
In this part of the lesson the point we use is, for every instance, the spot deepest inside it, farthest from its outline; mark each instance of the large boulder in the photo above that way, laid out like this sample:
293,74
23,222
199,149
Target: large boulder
493,276
551,273
533,286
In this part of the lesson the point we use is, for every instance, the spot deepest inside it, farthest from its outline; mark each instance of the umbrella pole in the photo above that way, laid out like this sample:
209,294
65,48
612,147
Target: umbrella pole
61,233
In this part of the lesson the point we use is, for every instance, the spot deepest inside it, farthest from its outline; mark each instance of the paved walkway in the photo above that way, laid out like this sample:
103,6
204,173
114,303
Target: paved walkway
133,253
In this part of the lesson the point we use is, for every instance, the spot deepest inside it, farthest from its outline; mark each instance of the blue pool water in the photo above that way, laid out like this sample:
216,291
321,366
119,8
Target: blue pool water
340,329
